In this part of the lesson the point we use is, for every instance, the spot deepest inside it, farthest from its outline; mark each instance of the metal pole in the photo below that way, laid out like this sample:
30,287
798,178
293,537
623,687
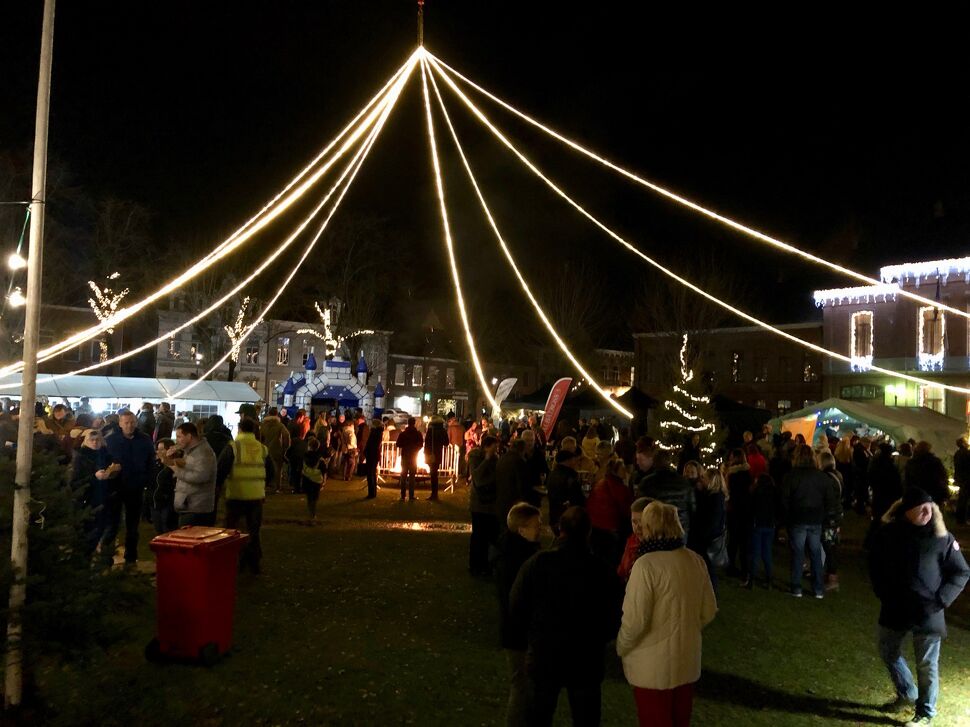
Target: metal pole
420,23
13,677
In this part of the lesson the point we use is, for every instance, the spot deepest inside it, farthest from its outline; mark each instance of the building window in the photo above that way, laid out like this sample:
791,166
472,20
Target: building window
784,405
809,374
432,377
417,375
860,343
737,372
95,351
932,397
784,368
449,379
194,348
253,383
272,388
807,402
931,331
204,410
760,403
760,369
72,355
282,351
252,354
399,374
174,349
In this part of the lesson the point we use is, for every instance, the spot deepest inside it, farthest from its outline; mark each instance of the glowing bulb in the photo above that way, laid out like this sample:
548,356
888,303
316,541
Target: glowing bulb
16,299
16,261
710,214
669,273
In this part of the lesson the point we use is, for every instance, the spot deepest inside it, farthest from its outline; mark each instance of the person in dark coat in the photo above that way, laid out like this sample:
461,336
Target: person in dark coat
665,485
708,524
515,546
509,480
372,456
887,486
89,484
569,603
917,570
481,501
164,422
563,486
146,419
690,452
765,507
861,455
626,448
134,452
961,476
162,492
296,454
806,497
739,519
926,472
535,468
409,443
435,441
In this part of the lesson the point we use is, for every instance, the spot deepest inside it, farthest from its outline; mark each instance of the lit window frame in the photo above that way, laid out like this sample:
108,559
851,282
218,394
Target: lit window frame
928,360
861,362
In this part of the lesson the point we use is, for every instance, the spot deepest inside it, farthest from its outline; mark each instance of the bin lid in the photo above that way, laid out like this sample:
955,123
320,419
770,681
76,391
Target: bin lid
195,536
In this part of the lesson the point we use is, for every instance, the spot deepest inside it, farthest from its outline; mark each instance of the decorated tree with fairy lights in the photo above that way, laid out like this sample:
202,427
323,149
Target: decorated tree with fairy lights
688,411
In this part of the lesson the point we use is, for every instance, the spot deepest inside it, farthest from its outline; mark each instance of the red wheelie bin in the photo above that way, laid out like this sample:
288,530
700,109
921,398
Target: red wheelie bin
196,591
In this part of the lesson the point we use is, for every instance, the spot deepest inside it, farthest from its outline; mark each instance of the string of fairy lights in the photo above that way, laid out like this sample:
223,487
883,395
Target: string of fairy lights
300,185
690,204
701,425
218,303
362,133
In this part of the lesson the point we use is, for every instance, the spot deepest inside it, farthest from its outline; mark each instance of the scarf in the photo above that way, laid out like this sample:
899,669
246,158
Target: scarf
655,544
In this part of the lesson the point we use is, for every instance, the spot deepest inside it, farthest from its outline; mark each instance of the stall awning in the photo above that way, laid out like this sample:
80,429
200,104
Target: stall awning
122,388
899,422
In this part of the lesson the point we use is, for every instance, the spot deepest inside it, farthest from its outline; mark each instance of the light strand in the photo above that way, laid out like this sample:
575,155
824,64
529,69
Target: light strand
515,268
393,94
446,228
683,201
263,218
277,251
669,273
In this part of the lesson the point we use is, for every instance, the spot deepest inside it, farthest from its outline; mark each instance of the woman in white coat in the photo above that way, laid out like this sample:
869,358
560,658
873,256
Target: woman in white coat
668,601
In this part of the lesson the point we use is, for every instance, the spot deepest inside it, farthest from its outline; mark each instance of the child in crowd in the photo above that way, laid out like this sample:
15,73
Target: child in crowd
314,475
633,542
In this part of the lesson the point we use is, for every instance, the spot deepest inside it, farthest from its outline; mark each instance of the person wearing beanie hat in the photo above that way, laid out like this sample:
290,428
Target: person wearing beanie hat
917,570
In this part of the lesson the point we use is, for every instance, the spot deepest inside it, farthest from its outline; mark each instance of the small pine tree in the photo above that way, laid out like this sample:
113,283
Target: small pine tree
688,411
72,611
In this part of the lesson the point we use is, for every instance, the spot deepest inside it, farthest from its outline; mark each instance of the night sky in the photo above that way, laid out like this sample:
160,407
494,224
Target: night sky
838,139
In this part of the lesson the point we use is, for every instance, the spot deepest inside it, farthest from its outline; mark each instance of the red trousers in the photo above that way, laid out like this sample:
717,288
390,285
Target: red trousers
664,707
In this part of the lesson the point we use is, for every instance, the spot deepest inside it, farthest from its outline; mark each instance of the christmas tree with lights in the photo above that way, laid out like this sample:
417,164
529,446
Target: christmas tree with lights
688,411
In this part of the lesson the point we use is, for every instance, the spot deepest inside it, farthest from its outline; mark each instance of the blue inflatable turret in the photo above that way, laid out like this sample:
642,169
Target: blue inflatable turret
378,399
311,362
362,370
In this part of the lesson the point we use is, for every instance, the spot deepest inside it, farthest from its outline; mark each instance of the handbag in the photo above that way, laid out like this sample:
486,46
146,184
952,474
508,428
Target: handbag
717,551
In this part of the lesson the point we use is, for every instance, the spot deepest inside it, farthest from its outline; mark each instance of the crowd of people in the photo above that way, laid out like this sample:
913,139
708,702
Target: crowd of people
643,531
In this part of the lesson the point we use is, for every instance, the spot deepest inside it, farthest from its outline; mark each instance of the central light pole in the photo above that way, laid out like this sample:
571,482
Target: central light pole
13,677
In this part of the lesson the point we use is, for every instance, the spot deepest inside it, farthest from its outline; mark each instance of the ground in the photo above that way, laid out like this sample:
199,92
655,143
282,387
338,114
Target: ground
369,618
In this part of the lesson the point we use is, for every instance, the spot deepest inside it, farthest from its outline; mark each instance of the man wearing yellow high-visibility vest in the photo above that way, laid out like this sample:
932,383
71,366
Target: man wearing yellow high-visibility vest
245,469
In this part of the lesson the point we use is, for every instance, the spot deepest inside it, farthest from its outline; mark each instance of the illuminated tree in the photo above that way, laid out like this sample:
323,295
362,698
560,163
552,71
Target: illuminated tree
105,304
688,411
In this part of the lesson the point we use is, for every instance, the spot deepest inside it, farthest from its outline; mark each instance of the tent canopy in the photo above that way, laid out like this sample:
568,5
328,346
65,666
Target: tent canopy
899,422
124,387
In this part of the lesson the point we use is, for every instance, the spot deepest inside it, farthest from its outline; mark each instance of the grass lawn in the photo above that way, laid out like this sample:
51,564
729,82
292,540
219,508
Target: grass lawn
359,621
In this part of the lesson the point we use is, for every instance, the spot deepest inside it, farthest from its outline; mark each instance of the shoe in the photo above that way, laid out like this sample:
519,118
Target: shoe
919,720
820,596
795,594
899,704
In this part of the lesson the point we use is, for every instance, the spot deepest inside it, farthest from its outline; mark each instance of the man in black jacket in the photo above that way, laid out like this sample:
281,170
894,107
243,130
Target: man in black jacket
807,498
372,456
563,486
435,441
569,602
917,570
409,443
665,485
516,545
509,480
961,475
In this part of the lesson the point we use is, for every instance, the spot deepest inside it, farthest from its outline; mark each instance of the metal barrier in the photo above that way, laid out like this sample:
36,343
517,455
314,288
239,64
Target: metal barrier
390,465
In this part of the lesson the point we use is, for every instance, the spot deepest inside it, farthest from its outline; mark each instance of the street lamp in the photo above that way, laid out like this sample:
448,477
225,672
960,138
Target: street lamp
16,261
16,299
